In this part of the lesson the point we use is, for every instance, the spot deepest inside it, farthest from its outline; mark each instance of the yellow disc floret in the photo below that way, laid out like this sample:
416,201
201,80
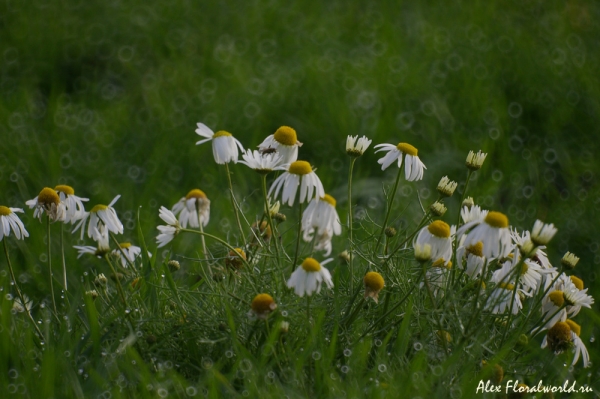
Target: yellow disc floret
407,149
263,303
439,229
125,245
330,200
497,219
576,328
557,298
374,281
63,188
195,193
577,282
286,135
99,207
476,249
311,265
4,211
221,133
48,196
507,286
300,168
559,337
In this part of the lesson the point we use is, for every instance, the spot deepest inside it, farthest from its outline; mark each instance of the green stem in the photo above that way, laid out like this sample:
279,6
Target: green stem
204,252
350,223
389,208
50,269
299,234
464,194
308,308
118,281
19,293
234,204
219,240
270,220
64,263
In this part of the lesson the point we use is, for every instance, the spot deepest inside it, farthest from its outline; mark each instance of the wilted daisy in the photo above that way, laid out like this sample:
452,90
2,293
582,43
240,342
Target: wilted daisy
475,161
73,204
48,201
437,235
10,221
309,276
102,220
564,335
128,253
285,142
374,283
492,232
167,233
578,345
446,187
356,149
413,167
320,215
262,162
299,173
224,145
193,209
235,259
473,256
262,305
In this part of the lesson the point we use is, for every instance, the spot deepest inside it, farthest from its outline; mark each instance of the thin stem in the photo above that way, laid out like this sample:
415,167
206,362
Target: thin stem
219,240
350,221
62,251
269,219
122,251
204,252
21,297
234,204
389,208
50,269
464,194
114,272
299,234
308,308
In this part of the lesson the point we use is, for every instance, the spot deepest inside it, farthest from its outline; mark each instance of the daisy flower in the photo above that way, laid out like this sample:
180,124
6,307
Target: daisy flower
299,173
320,215
542,233
102,220
262,305
474,258
48,201
563,336
475,161
356,149
193,209
167,233
262,162
501,297
74,209
530,275
569,261
413,168
437,235
10,221
285,142
374,283
309,276
224,145
128,253
492,231
446,187
578,345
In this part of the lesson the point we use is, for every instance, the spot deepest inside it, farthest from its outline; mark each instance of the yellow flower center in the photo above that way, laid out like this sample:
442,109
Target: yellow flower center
195,193
125,245
557,298
311,265
476,249
4,211
65,189
560,332
286,135
330,200
497,219
300,168
221,133
99,207
240,253
577,282
373,281
262,303
407,149
439,229
576,328
48,196
524,269
507,286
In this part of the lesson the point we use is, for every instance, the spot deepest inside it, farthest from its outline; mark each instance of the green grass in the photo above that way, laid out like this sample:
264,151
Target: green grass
104,96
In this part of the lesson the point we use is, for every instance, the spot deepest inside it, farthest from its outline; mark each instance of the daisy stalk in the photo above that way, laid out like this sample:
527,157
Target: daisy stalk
389,204
118,281
50,268
269,218
234,204
350,221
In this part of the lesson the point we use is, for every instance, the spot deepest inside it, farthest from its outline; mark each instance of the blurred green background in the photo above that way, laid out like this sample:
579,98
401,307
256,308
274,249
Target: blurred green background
105,95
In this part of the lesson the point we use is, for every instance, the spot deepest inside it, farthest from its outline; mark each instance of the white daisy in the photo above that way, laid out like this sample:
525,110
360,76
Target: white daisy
578,345
413,168
10,221
475,161
437,235
309,276
167,233
285,142
262,162
224,145
87,249
530,275
19,307
323,242
320,216
262,305
492,232
473,256
74,208
564,335
542,233
128,253
193,209
356,149
102,220
48,201
501,297
446,186
473,214
299,173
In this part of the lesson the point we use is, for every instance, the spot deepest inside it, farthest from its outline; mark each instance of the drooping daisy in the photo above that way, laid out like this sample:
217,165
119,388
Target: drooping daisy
299,173
235,259
73,204
262,162
193,209
473,256
102,220
492,231
224,145
578,345
10,221
128,253
565,335
320,216
437,235
374,283
262,305
356,149
309,276
529,277
48,201
413,167
323,242
501,297
167,233
285,142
